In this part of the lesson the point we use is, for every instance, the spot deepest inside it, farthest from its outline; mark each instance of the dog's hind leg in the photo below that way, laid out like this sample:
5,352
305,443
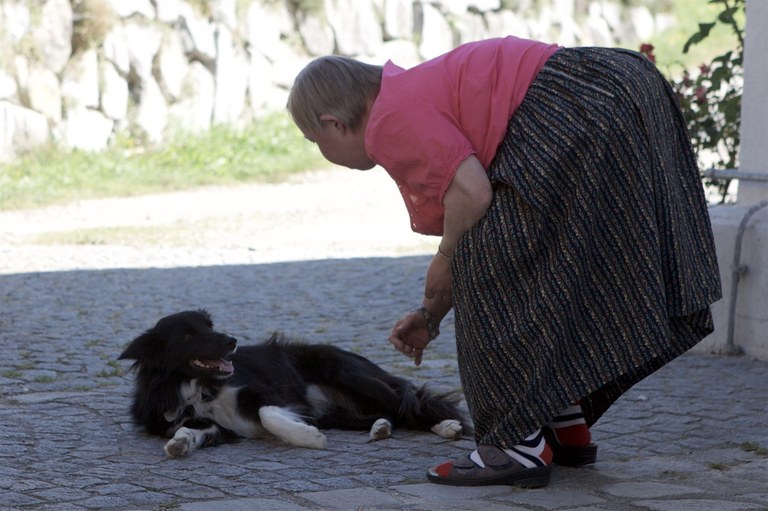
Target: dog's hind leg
186,440
448,428
438,413
288,427
380,430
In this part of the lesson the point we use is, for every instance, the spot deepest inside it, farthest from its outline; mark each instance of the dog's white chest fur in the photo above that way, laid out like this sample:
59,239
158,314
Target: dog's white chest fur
222,409
276,421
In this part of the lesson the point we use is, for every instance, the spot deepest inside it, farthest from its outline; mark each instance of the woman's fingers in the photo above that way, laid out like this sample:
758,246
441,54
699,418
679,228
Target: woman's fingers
406,337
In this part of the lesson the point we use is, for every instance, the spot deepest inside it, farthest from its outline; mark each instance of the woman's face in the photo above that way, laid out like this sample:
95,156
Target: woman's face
339,145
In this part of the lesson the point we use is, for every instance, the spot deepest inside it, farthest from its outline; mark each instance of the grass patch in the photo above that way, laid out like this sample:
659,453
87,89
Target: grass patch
718,465
673,474
113,369
755,448
266,151
126,235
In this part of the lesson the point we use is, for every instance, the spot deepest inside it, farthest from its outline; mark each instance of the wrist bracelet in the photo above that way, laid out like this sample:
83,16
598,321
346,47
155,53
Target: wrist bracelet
440,251
433,327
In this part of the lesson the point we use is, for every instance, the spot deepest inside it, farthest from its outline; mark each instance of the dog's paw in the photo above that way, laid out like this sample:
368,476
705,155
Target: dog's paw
304,435
313,439
179,445
449,428
380,430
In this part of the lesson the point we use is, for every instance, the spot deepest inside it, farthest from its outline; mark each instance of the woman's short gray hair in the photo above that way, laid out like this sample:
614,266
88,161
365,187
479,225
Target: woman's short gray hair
335,85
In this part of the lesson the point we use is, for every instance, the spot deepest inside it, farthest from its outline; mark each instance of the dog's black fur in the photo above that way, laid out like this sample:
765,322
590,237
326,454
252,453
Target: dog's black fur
193,387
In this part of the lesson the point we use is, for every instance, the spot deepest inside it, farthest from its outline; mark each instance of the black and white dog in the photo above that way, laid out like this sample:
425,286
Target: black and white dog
194,388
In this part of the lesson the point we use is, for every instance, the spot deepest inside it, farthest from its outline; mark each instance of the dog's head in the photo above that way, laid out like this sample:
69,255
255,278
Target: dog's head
184,344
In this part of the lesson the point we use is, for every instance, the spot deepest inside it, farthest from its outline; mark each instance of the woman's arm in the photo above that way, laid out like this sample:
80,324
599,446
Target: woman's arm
467,199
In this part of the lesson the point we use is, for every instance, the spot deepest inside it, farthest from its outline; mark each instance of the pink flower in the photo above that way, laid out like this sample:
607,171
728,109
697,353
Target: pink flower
647,50
701,94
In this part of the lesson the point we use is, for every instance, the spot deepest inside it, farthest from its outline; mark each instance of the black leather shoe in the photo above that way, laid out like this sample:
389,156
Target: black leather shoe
570,455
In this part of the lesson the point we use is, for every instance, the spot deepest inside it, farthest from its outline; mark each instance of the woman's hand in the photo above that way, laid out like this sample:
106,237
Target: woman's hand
410,336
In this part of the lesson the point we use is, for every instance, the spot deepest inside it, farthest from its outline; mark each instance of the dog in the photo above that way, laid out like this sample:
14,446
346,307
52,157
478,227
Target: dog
195,386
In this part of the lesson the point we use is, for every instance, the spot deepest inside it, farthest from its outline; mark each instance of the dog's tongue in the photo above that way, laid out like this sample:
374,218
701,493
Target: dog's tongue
225,366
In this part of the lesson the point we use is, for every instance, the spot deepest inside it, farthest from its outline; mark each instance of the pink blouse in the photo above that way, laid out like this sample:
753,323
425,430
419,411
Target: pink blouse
428,119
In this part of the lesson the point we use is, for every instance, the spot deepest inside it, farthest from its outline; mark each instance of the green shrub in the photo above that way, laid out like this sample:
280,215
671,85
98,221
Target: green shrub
711,96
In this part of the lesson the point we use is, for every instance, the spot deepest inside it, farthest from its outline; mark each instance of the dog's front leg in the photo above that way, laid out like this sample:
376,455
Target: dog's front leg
186,440
288,427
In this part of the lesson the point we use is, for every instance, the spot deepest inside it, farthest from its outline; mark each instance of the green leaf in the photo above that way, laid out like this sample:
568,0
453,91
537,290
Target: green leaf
703,33
720,75
727,15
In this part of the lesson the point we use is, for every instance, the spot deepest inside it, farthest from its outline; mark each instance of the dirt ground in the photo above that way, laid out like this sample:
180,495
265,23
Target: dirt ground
335,213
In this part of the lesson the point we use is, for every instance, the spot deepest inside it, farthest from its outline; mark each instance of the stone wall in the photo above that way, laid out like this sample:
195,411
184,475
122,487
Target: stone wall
78,73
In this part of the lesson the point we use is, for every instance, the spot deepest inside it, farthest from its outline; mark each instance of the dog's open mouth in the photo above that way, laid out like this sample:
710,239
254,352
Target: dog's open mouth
220,366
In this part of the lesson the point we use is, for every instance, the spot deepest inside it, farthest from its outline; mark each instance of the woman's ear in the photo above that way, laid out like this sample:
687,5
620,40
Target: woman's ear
334,121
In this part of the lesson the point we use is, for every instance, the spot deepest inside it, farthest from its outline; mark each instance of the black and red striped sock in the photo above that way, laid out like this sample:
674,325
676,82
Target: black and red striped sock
570,428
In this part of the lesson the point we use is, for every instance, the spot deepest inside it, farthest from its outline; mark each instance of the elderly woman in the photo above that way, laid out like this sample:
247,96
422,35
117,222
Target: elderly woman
576,248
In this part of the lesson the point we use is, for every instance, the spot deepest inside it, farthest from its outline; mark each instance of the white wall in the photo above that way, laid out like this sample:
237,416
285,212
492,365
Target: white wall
750,327
754,111
750,321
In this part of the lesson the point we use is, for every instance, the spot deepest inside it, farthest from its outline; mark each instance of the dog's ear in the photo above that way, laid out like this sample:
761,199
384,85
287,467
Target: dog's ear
207,316
141,348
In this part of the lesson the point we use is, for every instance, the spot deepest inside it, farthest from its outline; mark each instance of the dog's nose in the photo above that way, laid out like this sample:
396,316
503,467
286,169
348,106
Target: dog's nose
232,343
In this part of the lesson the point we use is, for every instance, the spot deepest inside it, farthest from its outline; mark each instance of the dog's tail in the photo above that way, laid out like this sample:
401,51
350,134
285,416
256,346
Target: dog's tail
421,409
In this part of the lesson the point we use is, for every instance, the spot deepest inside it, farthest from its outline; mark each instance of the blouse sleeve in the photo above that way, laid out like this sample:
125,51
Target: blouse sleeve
421,149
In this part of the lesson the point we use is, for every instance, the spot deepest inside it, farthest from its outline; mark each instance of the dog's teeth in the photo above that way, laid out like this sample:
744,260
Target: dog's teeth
224,366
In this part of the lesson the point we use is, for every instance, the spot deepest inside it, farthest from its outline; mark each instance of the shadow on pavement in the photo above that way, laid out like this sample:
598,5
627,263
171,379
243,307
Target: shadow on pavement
696,427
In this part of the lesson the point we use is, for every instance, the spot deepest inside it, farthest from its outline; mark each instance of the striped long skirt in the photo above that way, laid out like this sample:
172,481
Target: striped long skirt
595,264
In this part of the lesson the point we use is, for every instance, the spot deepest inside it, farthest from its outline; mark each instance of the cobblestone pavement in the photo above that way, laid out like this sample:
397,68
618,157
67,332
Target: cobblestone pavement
693,436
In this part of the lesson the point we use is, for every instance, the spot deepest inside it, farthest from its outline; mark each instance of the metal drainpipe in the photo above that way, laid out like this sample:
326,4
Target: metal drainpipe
738,270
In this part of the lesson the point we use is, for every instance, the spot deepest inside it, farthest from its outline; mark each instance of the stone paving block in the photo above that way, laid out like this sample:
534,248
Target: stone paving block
645,490
554,498
757,498
347,499
12,498
436,497
243,505
706,504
